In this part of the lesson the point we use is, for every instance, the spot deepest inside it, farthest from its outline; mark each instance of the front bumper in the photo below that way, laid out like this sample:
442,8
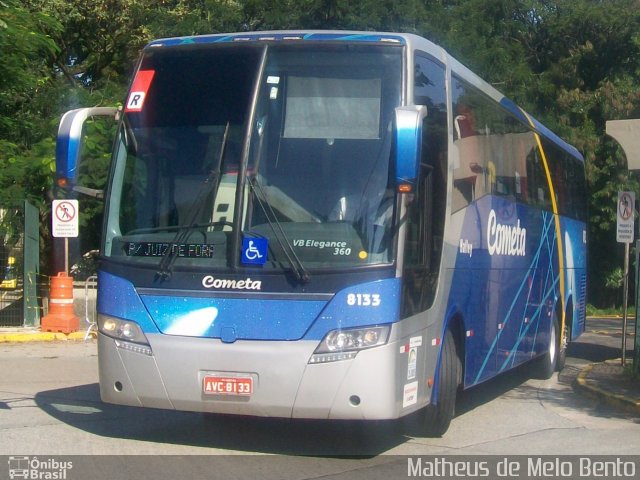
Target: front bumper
371,386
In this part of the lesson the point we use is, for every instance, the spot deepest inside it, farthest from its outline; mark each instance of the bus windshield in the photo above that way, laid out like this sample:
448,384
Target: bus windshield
287,146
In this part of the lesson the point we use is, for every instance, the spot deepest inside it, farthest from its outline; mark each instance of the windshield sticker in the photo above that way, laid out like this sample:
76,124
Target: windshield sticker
336,248
254,251
273,80
139,90
159,249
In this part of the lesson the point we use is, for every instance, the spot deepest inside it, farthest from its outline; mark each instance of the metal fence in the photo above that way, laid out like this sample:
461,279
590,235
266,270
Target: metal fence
88,315
20,280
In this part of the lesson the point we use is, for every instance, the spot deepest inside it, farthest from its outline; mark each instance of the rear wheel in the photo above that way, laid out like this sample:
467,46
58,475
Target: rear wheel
437,417
546,364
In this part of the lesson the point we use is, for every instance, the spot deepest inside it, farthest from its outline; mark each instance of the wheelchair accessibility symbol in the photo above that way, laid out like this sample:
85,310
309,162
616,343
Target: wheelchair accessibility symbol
254,251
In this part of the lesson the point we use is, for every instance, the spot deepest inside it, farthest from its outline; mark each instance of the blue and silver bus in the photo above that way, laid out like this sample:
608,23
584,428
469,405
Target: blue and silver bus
329,225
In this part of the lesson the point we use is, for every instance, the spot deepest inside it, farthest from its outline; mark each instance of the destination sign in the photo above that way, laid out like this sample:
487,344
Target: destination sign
160,249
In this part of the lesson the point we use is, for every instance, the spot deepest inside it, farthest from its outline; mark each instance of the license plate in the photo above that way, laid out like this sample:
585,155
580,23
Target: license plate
218,385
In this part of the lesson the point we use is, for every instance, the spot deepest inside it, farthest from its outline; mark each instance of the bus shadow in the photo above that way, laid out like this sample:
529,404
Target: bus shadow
521,384
486,392
82,408
597,353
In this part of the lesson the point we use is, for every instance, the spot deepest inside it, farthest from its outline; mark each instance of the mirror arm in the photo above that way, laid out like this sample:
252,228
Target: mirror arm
91,192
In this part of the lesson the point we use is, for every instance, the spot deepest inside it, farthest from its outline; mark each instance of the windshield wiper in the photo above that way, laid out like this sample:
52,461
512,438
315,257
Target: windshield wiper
298,268
211,184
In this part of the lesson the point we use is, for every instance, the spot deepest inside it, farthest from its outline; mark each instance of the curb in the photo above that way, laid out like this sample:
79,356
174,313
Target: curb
24,337
615,400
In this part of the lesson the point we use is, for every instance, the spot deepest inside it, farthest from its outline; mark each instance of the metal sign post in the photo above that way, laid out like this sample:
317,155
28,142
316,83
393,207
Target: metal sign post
64,223
627,134
624,234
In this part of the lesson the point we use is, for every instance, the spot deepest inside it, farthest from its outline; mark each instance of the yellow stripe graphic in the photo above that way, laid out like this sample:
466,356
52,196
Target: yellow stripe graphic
556,216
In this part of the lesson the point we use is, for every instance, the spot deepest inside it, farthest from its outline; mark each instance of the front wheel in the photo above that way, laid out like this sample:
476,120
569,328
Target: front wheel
437,417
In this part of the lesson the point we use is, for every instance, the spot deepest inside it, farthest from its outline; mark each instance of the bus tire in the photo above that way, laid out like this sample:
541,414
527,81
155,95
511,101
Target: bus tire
546,364
437,417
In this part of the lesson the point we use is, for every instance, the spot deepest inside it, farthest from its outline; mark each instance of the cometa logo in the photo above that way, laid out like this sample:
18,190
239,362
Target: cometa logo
505,239
225,284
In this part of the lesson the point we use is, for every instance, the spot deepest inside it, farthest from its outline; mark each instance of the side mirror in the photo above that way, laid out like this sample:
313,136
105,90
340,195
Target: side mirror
69,141
408,144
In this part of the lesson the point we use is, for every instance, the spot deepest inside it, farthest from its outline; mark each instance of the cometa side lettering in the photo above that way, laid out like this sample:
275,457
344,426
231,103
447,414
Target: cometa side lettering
508,240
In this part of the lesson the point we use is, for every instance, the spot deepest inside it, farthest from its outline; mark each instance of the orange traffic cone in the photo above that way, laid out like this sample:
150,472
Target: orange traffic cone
61,317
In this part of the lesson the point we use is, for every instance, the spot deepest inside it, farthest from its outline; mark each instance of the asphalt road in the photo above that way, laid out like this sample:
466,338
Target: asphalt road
50,407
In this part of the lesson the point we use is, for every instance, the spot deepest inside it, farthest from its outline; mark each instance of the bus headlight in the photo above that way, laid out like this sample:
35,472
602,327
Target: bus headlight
345,344
121,329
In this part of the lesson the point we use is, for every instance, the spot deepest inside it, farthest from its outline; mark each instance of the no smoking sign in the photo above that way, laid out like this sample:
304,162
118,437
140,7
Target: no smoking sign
64,218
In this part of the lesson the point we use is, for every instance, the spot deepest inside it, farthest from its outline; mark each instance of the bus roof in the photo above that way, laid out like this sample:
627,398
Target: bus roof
285,35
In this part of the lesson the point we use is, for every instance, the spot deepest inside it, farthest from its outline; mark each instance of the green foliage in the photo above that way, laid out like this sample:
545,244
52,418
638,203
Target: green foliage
23,70
26,113
189,17
574,64
99,40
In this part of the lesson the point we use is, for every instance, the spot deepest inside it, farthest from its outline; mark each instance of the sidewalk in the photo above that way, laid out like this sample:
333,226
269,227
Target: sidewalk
608,382
23,335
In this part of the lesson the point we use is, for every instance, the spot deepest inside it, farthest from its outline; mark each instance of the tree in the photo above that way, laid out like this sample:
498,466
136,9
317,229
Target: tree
26,114
574,64
23,71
